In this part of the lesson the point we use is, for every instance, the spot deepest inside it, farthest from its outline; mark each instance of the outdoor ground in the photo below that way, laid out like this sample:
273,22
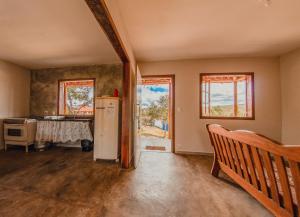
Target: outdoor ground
155,139
153,131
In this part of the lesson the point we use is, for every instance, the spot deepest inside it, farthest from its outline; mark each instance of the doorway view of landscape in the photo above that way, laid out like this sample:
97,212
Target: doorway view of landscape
155,114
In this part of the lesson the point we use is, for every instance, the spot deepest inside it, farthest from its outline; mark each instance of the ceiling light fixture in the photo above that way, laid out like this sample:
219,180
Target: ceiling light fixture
267,3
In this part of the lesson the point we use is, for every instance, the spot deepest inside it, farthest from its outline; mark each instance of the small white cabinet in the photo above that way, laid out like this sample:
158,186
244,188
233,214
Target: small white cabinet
106,133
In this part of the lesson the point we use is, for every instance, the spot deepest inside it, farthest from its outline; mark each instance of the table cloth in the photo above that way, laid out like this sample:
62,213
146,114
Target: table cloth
62,131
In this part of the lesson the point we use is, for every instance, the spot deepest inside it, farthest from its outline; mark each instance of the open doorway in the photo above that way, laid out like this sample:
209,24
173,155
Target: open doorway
157,113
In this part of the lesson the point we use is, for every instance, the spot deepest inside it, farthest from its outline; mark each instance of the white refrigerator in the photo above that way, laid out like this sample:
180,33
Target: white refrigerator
106,132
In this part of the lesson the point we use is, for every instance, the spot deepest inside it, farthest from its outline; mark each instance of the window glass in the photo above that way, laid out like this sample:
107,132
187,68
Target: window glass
76,97
226,95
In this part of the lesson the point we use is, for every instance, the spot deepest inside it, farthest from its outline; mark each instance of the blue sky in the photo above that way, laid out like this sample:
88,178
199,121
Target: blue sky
153,92
222,94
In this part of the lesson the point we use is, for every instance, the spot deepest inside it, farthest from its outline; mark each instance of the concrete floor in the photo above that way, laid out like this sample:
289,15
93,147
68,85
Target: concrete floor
156,141
62,182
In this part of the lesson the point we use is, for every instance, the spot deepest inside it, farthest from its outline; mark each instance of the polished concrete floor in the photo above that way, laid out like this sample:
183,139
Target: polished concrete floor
66,182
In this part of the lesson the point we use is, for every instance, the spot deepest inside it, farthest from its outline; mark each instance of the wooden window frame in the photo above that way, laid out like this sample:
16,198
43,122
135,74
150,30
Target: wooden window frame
76,79
228,118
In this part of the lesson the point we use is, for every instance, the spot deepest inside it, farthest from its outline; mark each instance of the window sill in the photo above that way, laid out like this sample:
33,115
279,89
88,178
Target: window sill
78,117
228,118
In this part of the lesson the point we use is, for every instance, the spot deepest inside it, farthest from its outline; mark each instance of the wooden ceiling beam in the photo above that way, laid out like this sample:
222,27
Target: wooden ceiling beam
102,15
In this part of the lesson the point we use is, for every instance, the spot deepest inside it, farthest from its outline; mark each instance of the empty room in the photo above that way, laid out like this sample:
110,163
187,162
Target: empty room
113,108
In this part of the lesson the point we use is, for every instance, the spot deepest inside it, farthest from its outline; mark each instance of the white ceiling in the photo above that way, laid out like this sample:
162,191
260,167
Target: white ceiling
187,29
52,33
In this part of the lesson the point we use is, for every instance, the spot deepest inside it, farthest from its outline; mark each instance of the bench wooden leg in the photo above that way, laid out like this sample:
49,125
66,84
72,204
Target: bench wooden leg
216,167
5,146
26,148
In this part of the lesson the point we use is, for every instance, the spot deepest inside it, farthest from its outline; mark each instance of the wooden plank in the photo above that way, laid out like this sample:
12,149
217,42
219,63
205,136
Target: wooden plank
205,97
246,96
126,114
234,153
271,176
242,160
102,15
216,166
260,170
209,103
217,152
228,150
287,196
224,150
219,148
155,80
235,98
172,108
250,165
295,170
65,99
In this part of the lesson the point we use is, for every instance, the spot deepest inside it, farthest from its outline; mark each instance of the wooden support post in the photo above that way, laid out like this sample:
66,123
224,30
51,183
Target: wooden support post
104,19
209,107
126,118
235,98
65,100
170,110
205,96
246,95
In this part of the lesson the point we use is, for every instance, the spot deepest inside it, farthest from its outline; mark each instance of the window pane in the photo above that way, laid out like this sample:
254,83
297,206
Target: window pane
226,95
76,97
241,95
222,99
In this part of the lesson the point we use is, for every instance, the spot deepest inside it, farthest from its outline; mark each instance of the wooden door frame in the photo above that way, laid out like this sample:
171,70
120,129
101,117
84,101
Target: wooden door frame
172,98
105,21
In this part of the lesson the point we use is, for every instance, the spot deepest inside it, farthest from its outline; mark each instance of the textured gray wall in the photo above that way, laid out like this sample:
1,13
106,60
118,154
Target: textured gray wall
44,84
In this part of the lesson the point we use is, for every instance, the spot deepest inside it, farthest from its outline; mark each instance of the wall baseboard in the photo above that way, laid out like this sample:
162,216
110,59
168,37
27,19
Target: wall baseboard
194,153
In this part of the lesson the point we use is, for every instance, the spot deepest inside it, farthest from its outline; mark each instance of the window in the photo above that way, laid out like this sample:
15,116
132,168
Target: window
76,97
227,95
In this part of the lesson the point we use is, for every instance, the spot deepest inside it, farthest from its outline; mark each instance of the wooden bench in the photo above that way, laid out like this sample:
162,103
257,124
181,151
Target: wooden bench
266,169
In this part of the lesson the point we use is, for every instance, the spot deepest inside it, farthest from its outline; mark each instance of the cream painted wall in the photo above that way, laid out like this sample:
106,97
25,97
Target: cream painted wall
190,131
290,82
14,93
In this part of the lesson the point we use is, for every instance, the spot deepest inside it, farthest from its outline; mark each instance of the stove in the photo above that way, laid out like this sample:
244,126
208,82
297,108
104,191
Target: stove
19,131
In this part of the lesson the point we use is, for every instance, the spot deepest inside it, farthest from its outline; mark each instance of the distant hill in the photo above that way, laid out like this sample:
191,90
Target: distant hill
228,110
